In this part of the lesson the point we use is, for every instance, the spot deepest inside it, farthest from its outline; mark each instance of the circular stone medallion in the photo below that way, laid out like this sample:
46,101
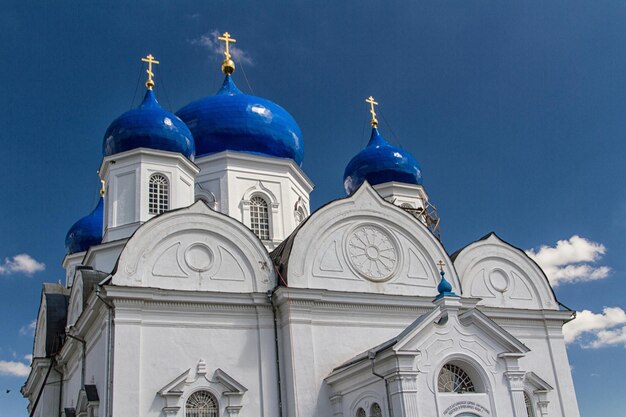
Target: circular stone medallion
199,257
499,280
372,252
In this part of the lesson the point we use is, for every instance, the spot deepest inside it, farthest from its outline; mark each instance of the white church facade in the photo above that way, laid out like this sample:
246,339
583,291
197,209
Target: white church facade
202,286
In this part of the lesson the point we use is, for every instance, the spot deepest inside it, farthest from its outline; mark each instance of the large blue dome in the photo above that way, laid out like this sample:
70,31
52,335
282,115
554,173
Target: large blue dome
148,126
381,162
231,120
87,231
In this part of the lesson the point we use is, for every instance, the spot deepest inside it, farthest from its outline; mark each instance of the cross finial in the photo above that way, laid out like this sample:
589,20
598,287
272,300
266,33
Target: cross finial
150,60
372,103
441,265
227,39
228,66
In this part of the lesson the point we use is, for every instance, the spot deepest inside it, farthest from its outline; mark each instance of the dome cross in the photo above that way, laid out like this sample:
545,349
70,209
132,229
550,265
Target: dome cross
150,60
372,103
228,66
440,264
227,39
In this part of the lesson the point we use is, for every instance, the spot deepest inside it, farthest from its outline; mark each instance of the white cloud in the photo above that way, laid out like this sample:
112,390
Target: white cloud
569,260
14,368
592,330
29,329
209,41
22,263
28,358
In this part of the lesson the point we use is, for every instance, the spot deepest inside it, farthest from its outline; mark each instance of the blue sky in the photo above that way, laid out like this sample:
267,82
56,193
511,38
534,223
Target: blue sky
515,110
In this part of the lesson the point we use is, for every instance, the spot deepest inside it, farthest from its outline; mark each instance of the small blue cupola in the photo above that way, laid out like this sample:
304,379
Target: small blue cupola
148,126
87,231
233,121
380,162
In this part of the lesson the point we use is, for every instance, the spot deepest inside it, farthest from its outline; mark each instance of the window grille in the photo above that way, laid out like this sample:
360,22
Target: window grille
259,218
454,379
158,194
201,404
375,411
360,413
529,406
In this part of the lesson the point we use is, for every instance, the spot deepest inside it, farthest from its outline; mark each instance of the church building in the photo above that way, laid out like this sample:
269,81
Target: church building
201,285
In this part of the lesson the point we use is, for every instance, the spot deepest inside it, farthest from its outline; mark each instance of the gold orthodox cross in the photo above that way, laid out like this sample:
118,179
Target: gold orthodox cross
372,103
227,39
150,60
441,265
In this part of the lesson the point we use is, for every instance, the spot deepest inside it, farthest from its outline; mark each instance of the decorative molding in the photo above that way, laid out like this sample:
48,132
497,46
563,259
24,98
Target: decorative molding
226,389
372,252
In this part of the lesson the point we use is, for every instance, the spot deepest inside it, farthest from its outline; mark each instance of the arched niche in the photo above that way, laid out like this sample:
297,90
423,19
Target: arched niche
195,248
363,243
502,276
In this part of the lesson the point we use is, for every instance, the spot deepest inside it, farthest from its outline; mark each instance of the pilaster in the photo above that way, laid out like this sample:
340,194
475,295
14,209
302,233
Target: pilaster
402,388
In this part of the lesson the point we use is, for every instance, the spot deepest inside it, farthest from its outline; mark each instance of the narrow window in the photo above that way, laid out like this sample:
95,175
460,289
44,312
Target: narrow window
360,413
259,217
158,194
201,404
454,379
375,411
529,406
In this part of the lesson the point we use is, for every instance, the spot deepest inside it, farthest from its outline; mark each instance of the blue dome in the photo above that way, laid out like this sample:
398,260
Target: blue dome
381,162
87,231
231,120
148,126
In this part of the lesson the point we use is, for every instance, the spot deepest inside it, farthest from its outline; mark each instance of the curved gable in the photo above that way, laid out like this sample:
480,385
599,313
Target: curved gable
365,244
195,249
503,276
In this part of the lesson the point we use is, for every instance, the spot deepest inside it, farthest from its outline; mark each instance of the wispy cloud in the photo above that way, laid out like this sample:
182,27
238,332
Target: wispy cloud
28,329
22,263
570,260
213,45
14,368
593,330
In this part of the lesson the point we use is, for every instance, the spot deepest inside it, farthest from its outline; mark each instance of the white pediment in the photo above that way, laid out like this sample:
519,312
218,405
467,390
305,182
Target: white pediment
365,244
503,276
226,390
198,249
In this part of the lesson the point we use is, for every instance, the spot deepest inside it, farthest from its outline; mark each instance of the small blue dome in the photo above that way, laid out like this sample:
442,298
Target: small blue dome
381,162
87,231
148,126
444,286
231,120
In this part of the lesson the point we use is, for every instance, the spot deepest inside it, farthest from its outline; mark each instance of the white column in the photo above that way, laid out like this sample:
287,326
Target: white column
516,388
402,387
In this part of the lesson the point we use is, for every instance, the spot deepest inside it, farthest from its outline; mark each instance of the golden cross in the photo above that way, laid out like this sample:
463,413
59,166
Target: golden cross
371,101
441,265
227,39
150,60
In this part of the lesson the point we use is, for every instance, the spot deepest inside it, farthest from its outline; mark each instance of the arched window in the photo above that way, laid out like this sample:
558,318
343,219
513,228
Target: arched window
201,404
375,411
259,217
360,413
158,194
529,405
454,379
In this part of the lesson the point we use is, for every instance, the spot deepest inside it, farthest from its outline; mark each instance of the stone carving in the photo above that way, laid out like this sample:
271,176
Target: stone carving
199,257
372,252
